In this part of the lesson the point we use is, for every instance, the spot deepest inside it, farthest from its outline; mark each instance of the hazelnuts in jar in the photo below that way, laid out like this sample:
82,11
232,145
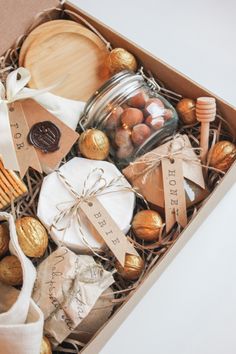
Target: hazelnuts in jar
130,111
140,133
138,100
132,123
122,137
124,143
154,107
168,114
131,117
114,120
125,151
155,122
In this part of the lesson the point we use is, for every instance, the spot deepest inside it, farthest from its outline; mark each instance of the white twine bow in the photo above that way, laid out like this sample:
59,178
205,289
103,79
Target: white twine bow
15,91
153,160
69,211
94,185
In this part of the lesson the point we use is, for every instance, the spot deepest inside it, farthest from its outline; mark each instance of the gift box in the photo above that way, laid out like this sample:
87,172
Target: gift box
16,19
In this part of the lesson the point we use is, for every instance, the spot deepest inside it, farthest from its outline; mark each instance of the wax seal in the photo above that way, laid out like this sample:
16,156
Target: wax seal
45,136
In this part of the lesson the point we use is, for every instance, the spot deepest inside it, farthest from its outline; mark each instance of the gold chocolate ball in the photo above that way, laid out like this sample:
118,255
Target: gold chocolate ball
45,346
186,109
11,271
133,268
120,59
94,144
4,239
32,236
223,154
147,225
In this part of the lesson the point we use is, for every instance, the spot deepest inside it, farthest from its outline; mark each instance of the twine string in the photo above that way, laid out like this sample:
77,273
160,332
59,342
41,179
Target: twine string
94,185
152,160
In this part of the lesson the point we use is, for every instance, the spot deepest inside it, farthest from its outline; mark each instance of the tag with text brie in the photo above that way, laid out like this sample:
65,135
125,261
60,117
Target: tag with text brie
108,229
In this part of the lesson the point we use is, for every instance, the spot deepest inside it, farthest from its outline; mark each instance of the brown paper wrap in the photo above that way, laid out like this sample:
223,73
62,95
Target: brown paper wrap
66,289
146,173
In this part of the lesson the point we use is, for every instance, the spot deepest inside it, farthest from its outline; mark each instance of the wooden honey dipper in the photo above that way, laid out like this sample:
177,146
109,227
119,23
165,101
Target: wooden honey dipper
205,113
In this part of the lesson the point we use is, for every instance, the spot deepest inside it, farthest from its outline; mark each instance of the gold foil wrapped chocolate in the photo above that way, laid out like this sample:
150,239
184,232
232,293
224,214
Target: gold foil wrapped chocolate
120,59
147,225
4,239
222,155
133,268
32,236
186,109
11,271
45,346
94,144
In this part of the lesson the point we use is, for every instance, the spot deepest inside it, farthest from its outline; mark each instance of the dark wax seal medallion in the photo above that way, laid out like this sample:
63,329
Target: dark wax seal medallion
45,136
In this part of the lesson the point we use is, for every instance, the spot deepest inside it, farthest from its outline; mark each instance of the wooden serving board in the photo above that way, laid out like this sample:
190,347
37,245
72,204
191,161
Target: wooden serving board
69,52
39,31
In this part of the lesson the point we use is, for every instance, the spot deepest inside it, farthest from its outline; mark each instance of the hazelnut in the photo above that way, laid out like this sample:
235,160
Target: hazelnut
140,133
155,122
125,105
168,114
125,151
154,107
122,137
138,100
114,120
131,116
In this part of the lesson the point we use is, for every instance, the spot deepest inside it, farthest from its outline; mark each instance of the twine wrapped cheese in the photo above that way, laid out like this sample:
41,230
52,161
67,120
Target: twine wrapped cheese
79,180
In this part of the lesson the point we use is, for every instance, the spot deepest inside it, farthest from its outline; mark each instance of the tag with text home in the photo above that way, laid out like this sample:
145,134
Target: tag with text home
174,194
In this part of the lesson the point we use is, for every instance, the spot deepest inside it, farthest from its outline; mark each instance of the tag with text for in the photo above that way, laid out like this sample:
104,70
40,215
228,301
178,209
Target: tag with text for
174,193
108,229
26,154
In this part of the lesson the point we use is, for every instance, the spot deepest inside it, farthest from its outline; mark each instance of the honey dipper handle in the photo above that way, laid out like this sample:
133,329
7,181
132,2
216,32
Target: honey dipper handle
204,140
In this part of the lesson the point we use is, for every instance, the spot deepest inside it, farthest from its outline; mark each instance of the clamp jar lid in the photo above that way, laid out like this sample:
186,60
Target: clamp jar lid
111,93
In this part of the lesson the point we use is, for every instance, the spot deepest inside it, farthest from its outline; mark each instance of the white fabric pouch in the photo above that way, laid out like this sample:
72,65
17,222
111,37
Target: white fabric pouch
21,321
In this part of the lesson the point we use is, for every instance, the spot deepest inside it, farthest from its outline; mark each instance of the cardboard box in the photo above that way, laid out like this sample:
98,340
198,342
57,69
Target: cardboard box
16,22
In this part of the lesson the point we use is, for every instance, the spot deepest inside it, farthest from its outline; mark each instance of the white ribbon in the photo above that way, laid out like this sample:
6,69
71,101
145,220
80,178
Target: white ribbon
68,111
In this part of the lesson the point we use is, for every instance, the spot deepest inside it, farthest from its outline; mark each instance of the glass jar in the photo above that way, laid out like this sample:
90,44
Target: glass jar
132,114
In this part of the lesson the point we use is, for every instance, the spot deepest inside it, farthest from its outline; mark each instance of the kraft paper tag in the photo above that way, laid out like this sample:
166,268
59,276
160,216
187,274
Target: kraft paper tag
108,229
26,154
34,114
174,193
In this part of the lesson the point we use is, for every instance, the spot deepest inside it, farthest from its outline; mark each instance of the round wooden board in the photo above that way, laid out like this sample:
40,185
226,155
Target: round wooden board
71,53
38,31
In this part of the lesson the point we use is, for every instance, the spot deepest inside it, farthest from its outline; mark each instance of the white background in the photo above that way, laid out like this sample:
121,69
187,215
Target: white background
192,309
